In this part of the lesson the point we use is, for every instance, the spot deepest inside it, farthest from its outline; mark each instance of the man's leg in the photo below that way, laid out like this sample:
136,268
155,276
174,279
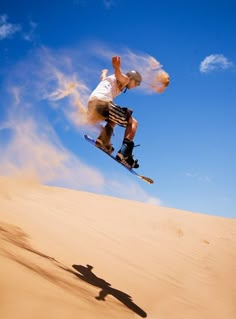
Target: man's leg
97,111
131,129
104,139
125,153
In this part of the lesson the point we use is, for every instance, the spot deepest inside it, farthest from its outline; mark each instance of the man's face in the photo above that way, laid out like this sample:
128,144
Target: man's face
132,84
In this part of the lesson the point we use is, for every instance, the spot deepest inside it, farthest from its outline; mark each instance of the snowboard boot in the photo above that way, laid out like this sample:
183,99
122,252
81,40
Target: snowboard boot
125,155
104,139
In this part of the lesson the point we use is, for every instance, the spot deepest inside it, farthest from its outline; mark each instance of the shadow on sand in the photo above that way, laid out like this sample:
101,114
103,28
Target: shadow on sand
15,236
86,274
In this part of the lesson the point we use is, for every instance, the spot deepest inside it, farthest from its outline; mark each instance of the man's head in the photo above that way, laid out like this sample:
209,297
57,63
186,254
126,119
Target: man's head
135,79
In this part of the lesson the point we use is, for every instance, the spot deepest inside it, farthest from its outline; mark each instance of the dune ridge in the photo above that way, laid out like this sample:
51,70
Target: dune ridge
67,254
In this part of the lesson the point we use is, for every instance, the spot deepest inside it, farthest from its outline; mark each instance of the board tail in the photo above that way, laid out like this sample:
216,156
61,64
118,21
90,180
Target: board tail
144,178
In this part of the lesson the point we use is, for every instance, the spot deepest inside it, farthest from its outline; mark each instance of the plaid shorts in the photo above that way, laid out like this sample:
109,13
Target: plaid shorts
111,111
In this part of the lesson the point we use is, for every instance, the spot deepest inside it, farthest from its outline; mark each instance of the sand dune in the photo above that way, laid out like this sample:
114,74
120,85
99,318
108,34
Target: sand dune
70,254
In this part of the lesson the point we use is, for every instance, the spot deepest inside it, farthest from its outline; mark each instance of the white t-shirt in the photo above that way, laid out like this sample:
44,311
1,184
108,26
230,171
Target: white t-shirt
106,90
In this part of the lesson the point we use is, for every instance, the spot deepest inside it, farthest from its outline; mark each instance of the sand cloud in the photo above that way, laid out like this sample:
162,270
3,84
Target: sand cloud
52,96
35,150
147,65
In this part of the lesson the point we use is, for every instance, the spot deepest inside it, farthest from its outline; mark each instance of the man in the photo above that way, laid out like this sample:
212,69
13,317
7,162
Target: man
101,107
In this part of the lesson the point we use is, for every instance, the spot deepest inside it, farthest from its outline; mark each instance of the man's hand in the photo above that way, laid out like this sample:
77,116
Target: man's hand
122,79
116,62
103,74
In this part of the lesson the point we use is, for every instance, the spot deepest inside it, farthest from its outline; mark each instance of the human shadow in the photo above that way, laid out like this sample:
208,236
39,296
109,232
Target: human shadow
86,274
15,236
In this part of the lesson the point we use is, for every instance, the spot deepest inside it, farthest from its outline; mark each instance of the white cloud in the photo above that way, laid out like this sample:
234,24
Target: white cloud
29,36
128,188
81,3
7,29
215,62
198,177
86,3
108,3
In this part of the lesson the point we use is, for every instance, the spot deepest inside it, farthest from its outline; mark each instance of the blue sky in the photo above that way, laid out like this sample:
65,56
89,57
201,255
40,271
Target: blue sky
51,56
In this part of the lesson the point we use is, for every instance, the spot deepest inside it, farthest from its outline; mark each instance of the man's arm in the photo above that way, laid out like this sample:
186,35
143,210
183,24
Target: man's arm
121,77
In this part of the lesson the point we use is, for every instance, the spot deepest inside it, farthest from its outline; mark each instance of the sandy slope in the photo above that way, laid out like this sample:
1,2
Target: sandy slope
62,252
